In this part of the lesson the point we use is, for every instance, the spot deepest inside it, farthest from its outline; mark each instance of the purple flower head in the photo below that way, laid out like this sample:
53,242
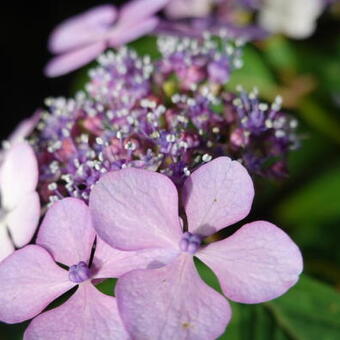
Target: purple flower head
30,278
134,209
79,40
168,115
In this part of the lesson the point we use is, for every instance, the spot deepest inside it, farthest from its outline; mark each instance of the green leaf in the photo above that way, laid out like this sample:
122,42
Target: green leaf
254,73
320,119
316,201
280,52
308,311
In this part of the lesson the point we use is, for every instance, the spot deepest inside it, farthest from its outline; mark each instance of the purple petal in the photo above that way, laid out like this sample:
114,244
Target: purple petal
6,246
67,232
217,195
29,281
19,174
87,315
124,33
138,10
22,222
111,262
171,303
256,264
135,209
83,29
73,60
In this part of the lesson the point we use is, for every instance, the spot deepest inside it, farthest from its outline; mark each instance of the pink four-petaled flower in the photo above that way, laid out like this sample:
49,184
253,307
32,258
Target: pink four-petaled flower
30,278
136,209
79,40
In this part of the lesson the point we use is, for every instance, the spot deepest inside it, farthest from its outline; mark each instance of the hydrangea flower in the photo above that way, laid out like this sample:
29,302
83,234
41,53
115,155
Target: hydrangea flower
167,115
20,204
79,40
30,279
295,18
136,209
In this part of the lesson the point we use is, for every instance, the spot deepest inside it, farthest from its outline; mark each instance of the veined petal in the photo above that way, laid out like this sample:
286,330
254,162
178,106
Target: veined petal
67,232
29,281
82,29
256,264
87,315
23,220
217,195
70,61
110,262
19,174
171,302
135,209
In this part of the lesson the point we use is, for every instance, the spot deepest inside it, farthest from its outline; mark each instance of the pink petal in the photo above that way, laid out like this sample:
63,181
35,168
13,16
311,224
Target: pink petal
29,281
19,174
256,264
217,195
111,262
6,246
73,60
24,129
22,222
87,315
171,302
136,209
67,232
126,32
82,29
139,10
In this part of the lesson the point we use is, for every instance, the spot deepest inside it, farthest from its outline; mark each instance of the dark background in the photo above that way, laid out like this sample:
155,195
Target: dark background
24,27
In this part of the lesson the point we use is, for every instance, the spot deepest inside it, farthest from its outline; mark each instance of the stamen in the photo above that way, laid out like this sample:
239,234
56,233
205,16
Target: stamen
79,272
190,243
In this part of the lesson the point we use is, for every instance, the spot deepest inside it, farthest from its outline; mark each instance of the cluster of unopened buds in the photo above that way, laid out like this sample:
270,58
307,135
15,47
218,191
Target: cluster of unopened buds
128,180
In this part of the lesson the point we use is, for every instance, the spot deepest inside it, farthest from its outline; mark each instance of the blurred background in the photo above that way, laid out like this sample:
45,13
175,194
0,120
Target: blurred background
306,204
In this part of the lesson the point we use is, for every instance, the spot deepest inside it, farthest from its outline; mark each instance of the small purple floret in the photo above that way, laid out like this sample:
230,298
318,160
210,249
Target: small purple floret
79,272
190,243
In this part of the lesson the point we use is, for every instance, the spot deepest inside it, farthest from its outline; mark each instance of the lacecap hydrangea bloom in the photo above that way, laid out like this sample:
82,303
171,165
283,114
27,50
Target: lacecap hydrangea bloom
141,130
168,115
135,209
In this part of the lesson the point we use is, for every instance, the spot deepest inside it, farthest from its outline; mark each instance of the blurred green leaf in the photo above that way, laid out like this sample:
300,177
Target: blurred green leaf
318,200
280,52
310,311
254,73
320,119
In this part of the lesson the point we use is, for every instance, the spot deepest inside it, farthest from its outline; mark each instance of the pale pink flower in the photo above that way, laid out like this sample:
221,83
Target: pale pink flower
30,278
20,205
135,209
79,40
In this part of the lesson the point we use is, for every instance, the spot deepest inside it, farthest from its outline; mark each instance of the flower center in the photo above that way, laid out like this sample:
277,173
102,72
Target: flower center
79,272
190,243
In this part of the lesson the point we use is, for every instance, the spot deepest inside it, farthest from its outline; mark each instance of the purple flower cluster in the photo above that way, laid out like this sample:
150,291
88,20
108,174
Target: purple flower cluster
168,115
